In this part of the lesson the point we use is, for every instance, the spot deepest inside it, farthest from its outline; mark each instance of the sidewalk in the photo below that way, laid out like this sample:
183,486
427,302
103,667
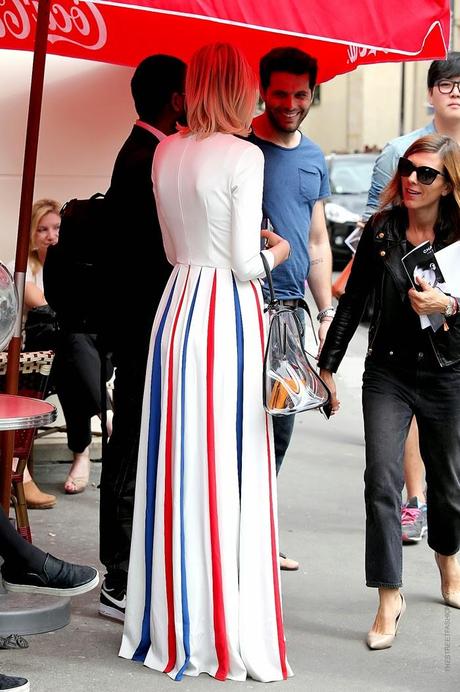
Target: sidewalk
327,609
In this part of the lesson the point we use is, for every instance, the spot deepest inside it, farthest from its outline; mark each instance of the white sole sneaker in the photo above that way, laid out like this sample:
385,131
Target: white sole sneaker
50,591
110,612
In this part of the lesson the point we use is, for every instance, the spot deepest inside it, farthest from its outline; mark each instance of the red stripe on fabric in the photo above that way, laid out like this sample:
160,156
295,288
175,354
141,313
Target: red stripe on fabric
275,564
168,500
220,634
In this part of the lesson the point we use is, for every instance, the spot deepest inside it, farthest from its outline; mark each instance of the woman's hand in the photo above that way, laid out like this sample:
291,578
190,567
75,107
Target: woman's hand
278,246
429,300
328,378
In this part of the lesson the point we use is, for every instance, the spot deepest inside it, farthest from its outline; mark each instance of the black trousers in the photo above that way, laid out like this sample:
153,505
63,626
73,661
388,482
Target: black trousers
391,396
119,462
76,375
14,548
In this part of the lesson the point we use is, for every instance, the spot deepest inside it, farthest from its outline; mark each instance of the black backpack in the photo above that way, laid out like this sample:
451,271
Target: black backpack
73,275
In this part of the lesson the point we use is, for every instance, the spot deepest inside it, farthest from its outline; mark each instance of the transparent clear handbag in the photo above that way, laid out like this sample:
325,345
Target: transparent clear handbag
290,383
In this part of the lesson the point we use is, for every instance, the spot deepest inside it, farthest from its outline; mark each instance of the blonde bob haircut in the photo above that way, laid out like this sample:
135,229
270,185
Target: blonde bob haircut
39,209
220,91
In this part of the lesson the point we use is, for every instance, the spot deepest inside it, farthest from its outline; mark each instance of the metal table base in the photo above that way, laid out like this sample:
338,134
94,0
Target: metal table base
22,613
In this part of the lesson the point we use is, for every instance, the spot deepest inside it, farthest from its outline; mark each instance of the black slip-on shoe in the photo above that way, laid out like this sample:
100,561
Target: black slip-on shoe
56,578
13,684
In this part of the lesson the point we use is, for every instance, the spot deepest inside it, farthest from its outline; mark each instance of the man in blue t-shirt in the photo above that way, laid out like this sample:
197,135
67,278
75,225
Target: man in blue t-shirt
295,183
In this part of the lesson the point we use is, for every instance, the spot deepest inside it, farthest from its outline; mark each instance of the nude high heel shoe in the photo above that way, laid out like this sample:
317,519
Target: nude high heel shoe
451,598
377,641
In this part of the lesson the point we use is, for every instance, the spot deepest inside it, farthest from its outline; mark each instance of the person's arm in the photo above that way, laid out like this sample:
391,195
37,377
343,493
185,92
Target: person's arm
320,275
384,168
33,296
246,202
362,279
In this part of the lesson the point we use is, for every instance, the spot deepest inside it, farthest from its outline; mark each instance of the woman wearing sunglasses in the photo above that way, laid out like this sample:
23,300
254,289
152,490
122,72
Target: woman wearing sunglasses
409,371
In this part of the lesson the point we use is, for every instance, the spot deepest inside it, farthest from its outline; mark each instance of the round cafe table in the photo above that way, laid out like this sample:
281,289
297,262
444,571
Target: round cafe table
29,613
20,412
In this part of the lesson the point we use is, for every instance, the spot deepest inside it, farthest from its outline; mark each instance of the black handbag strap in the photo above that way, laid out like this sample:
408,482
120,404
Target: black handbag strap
274,303
268,274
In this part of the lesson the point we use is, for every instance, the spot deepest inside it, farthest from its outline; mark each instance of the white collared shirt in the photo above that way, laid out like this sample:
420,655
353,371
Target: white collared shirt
157,133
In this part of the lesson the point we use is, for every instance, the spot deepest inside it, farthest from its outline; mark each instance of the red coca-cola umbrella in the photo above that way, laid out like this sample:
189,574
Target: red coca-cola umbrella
342,35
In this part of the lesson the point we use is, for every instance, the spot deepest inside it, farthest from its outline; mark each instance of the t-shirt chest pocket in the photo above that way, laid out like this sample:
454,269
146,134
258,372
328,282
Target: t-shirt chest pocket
309,184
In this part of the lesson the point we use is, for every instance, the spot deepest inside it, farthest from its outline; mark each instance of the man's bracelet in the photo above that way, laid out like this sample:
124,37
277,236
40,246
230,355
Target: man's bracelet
326,312
451,307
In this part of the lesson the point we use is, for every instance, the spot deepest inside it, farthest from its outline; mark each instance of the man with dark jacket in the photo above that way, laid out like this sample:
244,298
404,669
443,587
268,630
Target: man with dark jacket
136,271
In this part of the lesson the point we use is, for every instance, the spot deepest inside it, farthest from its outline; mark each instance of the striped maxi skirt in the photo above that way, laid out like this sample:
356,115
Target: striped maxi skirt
204,584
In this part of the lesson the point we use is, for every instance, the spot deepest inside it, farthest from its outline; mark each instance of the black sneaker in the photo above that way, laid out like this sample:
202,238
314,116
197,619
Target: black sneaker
113,602
56,578
14,684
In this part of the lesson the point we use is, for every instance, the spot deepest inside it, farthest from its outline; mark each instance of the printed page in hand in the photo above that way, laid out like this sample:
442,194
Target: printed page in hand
421,262
449,262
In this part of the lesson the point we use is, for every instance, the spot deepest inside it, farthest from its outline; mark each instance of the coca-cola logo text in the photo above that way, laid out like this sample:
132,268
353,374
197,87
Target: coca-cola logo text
354,52
73,21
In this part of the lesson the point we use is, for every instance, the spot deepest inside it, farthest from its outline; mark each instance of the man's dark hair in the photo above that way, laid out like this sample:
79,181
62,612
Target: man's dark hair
444,69
154,82
290,60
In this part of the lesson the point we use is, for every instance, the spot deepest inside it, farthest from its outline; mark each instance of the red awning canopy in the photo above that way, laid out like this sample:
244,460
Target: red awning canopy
342,35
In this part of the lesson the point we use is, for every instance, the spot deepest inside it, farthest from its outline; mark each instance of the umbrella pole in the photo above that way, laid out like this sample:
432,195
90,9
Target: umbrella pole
22,245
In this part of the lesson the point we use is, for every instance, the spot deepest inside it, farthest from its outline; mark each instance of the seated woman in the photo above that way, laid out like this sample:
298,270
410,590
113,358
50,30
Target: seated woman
409,371
75,373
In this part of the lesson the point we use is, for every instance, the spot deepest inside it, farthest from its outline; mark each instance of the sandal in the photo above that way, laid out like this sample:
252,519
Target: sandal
73,486
77,484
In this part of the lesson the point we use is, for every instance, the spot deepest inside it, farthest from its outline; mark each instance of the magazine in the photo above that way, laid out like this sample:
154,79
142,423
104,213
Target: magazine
421,262
449,263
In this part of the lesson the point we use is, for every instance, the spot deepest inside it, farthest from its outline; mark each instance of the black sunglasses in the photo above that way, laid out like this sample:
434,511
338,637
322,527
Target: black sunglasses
425,174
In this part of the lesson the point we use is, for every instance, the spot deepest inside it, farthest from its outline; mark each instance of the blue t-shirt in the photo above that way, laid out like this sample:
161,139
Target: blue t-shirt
294,180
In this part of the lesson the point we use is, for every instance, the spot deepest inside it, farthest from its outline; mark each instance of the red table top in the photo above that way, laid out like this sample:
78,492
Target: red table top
19,412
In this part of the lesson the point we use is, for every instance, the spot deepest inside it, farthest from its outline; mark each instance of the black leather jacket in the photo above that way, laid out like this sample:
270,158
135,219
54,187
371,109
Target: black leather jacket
377,263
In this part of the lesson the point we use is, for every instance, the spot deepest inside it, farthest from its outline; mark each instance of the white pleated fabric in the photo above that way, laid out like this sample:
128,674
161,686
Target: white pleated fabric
204,585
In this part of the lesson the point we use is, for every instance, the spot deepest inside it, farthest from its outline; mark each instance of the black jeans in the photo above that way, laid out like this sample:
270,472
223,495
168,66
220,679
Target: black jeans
119,462
391,396
15,549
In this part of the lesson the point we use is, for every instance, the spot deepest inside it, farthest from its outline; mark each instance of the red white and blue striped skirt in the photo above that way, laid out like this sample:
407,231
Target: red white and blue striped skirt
204,585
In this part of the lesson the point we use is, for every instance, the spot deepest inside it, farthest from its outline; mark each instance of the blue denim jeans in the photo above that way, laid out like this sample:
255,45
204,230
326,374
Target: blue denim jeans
391,396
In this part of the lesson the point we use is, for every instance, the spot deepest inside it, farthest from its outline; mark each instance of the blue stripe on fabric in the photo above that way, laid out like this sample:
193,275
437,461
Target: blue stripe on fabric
240,381
151,480
185,611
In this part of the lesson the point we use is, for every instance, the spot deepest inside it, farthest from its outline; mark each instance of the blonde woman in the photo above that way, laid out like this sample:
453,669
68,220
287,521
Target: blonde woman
76,366
203,586
44,231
